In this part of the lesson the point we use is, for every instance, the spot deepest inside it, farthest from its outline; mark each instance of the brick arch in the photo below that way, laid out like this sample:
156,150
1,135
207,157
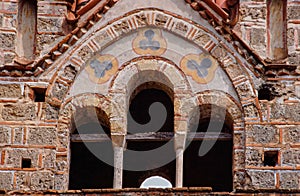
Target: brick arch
223,100
64,127
233,64
134,74
69,108
235,110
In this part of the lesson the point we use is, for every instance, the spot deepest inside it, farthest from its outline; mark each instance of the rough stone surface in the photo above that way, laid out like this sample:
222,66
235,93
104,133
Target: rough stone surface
289,180
70,72
7,41
41,136
6,179
59,91
262,179
19,112
4,135
18,135
50,24
254,157
10,91
51,112
291,135
42,181
14,157
291,157
262,134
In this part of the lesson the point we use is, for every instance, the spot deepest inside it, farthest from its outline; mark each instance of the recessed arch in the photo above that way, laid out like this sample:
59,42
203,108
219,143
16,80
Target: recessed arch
157,71
92,110
212,160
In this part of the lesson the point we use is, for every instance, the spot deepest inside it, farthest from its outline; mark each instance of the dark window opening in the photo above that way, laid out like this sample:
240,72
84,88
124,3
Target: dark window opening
150,156
162,163
140,110
39,94
213,169
271,158
92,159
266,92
26,163
87,169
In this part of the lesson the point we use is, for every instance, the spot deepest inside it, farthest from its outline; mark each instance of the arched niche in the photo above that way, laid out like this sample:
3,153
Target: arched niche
91,161
151,129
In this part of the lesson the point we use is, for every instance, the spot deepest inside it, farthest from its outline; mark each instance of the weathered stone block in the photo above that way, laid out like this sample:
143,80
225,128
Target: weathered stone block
19,112
289,180
49,24
6,180
7,41
61,164
5,135
239,158
8,57
262,134
293,12
51,112
254,157
85,53
60,182
14,157
258,38
41,135
49,157
239,139
42,180
291,135
18,135
250,111
69,72
10,91
45,41
22,180
262,179
253,13
291,156
59,90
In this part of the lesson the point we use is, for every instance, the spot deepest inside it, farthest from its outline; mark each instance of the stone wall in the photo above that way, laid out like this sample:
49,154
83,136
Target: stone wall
253,27
50,22
34,155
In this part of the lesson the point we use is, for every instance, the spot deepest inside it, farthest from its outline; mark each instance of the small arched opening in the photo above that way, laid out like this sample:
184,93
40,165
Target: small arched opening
91,164
156,182
213,136
150,131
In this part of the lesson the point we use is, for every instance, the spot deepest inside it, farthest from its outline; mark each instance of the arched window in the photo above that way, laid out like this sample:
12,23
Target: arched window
91,151
156,182
151,128
214,167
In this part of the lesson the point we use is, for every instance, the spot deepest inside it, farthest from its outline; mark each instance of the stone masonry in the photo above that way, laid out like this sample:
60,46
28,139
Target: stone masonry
39,99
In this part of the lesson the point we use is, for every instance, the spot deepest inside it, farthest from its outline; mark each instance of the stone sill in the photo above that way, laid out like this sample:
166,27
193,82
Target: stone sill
153,191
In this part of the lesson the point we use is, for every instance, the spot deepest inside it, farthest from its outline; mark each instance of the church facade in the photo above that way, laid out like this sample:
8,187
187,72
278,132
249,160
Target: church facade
96,96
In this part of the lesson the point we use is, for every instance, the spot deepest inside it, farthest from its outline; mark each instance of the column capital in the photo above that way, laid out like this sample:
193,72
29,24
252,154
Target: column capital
118,140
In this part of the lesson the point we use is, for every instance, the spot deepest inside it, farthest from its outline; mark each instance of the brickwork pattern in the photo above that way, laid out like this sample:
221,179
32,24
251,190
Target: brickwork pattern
40,131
